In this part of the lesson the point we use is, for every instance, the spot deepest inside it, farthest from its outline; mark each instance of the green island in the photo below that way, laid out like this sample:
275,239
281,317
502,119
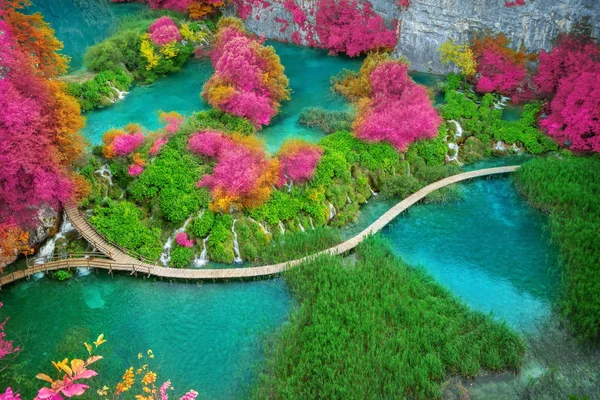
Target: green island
285,200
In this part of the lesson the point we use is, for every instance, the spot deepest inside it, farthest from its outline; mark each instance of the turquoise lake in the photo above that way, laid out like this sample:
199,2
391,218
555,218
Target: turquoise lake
490,249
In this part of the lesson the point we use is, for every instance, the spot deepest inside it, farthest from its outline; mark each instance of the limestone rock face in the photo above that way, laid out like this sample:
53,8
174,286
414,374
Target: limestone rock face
428,23
49,225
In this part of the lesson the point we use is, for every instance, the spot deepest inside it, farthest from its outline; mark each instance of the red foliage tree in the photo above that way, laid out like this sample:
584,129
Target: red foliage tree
569,74
398,111
298,161
351,27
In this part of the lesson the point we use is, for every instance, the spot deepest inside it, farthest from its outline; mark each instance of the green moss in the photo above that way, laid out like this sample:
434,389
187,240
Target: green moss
181,257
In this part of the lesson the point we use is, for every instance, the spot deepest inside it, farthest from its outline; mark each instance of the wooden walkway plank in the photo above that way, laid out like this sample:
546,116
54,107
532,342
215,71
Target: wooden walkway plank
121,260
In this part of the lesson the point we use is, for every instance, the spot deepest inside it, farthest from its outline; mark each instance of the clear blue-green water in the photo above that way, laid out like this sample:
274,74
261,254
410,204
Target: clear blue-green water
208,337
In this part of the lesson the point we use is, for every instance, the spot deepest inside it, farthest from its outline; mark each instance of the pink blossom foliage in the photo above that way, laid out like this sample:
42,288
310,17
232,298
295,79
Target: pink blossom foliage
248,80
163,390
175,5
298,160
172,120
514,3
135,169
399,111
284,24
571,72
30,174
127,143
351,27
499,73
6,346
209,143
157,145
183,240
245,7
9,395
298,15
160,23
165,35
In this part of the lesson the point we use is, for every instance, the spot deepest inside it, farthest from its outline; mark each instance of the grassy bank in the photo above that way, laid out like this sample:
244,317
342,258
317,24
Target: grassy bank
378,328
569,190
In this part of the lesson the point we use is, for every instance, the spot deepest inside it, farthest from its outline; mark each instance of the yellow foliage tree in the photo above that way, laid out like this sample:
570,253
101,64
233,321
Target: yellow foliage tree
461,55
147,50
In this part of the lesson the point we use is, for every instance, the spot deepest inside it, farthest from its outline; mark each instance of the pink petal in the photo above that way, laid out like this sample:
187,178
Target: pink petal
75,389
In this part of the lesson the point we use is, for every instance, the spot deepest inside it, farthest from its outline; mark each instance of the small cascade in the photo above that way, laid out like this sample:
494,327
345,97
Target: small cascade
311,223
372,191
202,260
500,146
120,94
281,227
454,146
236,245
264,229
348,199
83,271
408,170
165,256
502,103
104,171
38,275
332,212
47,250
459,129
301,227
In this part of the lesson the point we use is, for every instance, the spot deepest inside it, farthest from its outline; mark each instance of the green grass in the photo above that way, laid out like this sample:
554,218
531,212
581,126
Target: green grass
569,190
378,329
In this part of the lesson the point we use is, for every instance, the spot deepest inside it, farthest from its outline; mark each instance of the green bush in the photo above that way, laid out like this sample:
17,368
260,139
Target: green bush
378,329
61,275
569,189
123,223
181,257
400,186
326,120
298,244
201,226
99,91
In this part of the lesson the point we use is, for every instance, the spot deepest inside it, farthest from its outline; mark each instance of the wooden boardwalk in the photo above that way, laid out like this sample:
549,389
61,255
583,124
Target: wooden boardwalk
120,259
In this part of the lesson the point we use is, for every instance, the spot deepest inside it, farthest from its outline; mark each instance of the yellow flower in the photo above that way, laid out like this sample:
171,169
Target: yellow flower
88,347
147,50
103,391
169,50
100,340
139,371
149,378
127,381
140,355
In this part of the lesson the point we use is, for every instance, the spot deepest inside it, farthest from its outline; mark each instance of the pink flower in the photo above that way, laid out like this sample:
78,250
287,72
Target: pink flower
127,143
298,160
165,35
163,390
161,22
157,145
135,170
9,395
183,240
191,395
209,143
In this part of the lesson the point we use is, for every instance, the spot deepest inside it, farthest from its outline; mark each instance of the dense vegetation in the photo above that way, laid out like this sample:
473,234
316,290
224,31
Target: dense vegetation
568,189
378,328
326,120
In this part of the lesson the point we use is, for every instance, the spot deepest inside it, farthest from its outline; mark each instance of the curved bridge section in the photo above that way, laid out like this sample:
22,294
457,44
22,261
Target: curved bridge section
120,259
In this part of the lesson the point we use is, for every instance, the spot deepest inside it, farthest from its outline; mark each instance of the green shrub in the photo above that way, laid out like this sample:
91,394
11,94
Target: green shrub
201,226
122,222
181,257
400,186
378,329
61,275
99,91
298,244
326,120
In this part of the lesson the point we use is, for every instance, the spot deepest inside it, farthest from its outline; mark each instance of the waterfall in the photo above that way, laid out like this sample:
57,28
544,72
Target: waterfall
311,222
203,259
47,250
408,170
454,146
83,271
332,212
459,129
120,94
500,146
264,229
373,192
301,227
104,171
502,103
348,199
165,256
236,246
281,227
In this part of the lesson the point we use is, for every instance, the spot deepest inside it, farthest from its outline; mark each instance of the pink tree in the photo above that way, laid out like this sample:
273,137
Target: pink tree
498,73
183,240
351,27
127,143
298,161
398,111
570,73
